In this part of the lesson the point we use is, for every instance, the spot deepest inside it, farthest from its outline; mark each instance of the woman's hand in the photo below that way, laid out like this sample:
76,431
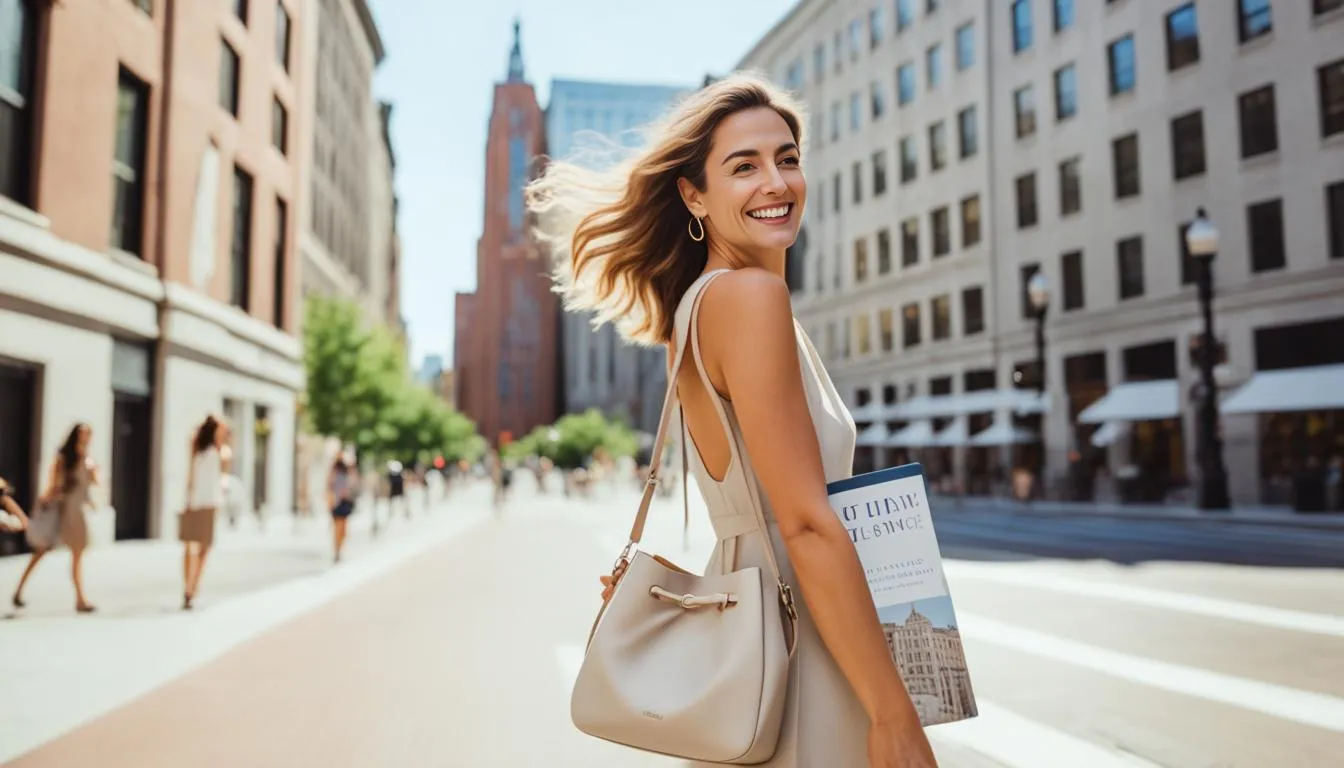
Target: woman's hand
892,745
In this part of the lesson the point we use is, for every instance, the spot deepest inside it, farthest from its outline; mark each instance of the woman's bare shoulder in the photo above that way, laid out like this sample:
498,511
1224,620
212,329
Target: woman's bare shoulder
748,299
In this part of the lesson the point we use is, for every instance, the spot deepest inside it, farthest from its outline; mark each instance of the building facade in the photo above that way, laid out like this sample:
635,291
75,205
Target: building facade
149,194
1077,139
589,123
506,346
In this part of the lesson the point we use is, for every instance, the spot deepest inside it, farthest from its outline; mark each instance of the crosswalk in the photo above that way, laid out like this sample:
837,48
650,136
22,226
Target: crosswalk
1015,733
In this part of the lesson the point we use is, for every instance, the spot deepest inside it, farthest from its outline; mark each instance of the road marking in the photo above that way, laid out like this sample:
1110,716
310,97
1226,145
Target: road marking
1250,613
998,733
1306,707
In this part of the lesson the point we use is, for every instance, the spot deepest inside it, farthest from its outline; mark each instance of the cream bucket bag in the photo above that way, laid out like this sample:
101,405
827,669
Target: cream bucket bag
689,666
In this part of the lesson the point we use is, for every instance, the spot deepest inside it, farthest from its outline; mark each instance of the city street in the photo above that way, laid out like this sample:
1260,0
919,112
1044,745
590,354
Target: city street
453,641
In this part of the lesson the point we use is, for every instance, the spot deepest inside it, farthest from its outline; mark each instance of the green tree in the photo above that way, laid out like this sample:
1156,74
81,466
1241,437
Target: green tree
575,437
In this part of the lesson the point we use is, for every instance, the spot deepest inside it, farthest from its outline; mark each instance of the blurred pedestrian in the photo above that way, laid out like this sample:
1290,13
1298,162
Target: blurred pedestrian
396,490
73,474
340,500
206,471
12,518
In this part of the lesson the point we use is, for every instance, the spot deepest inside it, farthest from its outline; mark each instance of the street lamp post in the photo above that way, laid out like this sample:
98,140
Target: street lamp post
1201,239
1038,293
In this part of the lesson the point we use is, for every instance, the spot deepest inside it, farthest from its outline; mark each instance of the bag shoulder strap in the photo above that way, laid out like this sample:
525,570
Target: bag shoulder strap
695,294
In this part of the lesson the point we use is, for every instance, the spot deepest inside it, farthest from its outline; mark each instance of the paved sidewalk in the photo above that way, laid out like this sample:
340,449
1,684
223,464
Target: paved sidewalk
1253,515
63,669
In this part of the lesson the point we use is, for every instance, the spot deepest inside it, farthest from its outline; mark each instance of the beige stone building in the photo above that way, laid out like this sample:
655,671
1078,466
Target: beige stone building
149,188
932,662
956,148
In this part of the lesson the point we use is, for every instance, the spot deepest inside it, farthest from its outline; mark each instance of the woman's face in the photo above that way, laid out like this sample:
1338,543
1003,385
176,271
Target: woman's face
754,185
222,434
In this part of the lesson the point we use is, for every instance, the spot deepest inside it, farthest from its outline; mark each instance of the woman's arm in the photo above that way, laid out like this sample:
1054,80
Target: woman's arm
748,340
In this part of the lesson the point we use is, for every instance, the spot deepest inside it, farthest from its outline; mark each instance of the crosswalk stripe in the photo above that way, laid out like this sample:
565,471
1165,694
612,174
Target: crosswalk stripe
1306,707
1278,618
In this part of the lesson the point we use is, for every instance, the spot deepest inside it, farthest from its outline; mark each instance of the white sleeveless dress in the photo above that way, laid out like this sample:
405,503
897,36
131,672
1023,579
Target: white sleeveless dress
824,723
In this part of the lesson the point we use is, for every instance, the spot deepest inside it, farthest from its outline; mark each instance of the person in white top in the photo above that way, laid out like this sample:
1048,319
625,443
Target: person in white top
210,457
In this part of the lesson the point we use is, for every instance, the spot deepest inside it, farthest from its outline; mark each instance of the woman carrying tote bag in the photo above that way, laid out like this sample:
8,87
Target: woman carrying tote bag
685,245
205,495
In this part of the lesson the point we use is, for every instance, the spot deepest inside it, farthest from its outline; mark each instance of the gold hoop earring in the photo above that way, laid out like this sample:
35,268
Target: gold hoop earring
694,224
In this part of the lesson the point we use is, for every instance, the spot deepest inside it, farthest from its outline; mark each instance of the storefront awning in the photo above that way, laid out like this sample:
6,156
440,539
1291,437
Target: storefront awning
917,435
1002,433
953,435
875,435
871,412
1136,401
1317,388
926,407
1109,432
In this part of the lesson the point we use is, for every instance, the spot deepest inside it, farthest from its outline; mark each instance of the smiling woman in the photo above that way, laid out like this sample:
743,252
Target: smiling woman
685,245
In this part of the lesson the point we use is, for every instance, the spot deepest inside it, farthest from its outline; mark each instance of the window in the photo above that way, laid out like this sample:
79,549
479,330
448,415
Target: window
519,173
970,221
910,242
1026,201
855,38
937,146
849,324
1325,6
933,65
1066,93
18,63
1265,221
941,309
972,311
240,287
228,78
883,251
1026,272
910,326
1187,145
128,164
1063,15
821,201
878,103
816,130
1120,54
860,260
905,84
942,235
1256,19
909,160
855,112
966,129
836,193
886,329
839,51
1024,109
879,173
1071,266
1334,218
1125,159
279,126
965,47
875,27
1021,25
1129,262
1182,37
281,244
282,36
864,323
1331,84
240,10
819,63
905,14
835,122
1188,266
1259,131
1070,187
930,6
858,183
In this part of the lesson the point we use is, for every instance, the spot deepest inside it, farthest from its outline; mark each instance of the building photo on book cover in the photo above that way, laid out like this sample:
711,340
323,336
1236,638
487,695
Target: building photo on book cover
890,521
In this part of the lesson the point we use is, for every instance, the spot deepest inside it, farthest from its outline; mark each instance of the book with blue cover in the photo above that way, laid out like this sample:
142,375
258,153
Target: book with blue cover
890,521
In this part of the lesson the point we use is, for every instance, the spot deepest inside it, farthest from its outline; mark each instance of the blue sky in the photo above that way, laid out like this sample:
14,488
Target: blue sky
936,609
443,57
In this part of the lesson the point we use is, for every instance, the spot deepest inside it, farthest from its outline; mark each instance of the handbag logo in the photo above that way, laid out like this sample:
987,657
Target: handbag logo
651,715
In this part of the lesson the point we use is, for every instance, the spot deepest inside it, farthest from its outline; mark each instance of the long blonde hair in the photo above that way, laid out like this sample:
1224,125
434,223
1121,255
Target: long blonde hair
619,237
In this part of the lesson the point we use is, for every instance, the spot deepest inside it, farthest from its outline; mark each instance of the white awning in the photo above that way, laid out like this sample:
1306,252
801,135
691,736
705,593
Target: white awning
1002,433
1109,432
1136,401
1317,388
952,435
917,435
926,407
875,435
873,411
